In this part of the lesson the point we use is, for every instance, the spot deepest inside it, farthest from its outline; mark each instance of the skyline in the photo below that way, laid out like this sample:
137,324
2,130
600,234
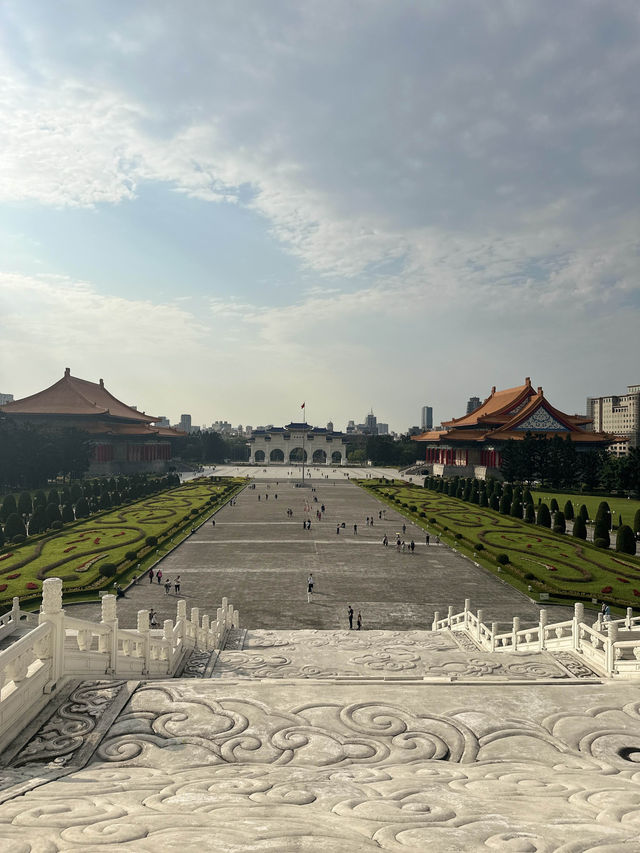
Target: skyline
229,208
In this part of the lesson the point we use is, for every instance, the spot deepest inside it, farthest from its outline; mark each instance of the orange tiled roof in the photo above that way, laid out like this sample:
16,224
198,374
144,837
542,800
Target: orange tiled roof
130,430
498,403
73,396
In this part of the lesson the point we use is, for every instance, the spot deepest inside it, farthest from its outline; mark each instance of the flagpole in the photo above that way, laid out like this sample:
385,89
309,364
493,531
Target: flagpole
304,435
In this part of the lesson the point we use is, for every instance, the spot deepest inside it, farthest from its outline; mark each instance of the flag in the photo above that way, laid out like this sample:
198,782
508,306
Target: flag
302,406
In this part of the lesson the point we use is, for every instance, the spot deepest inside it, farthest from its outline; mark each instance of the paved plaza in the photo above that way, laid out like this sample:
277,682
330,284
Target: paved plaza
259,557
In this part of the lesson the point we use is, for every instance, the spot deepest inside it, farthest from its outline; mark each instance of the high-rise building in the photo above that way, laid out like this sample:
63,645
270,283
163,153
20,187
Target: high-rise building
185,423
426,419
383,429
371,423
619,415
5,398
472,404
163,421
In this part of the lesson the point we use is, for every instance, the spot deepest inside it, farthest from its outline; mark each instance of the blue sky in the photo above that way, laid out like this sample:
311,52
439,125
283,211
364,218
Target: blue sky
227,208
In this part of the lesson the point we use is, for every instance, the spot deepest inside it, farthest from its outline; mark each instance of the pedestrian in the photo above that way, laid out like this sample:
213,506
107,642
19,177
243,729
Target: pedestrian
403,546
176,585
412,546
151,574
213,522
304,524
276,496
355,529
359,620
167,586
309,587
258,497
367,521
380,514
427,538
153,619
350,614
404,528
337,529
159,575
385,540
371,521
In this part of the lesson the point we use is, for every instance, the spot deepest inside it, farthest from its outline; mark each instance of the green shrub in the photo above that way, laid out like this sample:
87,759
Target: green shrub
433,520
107,570
601,532
516,509
584,512
458,535
9,507
604,514
543,518
67,514
505,505
529,513
18,538
553,505
14,527
529,576
151,541
479,546
484,499
494,503
559,524
636,522
423,515
527,497
53,514
625,540
601,543
568,511
579,527
412,508
82,508
502,559
57,524
131,556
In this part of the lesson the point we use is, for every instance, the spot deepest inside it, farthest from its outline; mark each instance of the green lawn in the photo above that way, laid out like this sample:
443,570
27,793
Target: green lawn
76,553
627,508
549,562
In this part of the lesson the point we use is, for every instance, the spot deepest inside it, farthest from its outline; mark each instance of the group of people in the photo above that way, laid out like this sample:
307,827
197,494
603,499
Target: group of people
358,620
167,581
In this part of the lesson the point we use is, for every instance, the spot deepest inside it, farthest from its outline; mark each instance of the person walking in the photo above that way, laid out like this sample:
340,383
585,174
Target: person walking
337,530
359,621
355,529
167,586
412,546
426,538
404,528
151,574
309,587
350,614
213,522
159,575
385,540
176,585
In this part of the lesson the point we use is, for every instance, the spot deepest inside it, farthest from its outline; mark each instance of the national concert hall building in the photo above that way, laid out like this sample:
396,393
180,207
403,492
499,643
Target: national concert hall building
124,440
471,446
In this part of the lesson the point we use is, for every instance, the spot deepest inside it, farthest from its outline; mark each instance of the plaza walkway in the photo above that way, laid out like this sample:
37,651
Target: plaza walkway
260,557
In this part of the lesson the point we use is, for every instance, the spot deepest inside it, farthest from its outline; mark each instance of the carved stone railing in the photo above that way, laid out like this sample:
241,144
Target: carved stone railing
61,645
15,618
612,647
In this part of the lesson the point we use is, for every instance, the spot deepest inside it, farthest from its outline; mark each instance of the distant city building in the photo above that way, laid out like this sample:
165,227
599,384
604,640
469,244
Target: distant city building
383,429
617,414
330,426
371,424
426,419
414,430
351,426
248,430
473,404
185,423
5,398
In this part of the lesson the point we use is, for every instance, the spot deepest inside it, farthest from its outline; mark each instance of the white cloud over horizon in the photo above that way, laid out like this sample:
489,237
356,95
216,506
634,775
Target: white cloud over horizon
456,182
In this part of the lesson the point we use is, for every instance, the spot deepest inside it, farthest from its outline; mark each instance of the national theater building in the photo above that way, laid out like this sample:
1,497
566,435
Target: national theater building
124,440
470,446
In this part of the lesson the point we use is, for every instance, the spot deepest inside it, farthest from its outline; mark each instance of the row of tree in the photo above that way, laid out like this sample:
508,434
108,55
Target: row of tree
31,455
28,514
517,502
556,462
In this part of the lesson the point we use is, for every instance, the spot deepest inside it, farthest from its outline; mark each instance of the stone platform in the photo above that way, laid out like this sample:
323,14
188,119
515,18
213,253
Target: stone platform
305,741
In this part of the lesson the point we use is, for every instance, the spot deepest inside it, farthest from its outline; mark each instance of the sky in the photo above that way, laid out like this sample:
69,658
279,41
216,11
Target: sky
230,208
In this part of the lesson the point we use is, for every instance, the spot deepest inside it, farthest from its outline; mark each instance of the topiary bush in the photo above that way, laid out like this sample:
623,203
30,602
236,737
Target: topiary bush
502,559
458,535
553,505
151,541
625,540
529,514
131,556
601,543
57,524
579,528
568,511
479,547
504,506
107,570
559,524
543,519
18,538
601,532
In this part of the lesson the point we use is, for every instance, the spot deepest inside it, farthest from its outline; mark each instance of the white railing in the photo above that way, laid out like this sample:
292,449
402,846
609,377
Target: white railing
16,618
61,645
612,647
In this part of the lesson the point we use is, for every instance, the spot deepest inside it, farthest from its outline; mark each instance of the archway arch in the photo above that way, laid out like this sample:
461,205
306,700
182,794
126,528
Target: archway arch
259,456
319,457
336,457
276,455
298,455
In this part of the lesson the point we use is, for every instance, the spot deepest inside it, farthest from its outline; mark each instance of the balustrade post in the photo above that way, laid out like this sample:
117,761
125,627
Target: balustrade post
480,616
467,610
449,615
15,610
516,628
195,623
236,619
206,643
181,617
220,618
53,613
167,634
143,628
436,619
628,618
542,625
494,631
229,616
578,619
610,657
110,619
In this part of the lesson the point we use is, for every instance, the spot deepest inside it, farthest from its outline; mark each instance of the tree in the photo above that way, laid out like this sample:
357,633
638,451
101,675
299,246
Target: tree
568,511
82,508
579,528
553,505
76,493
636,522
543,519
504,505
25,504
583,512
516,508
9,507
527,497
67,514
38,521
529,513
494,503
604,514
14,527
601,533
53,513
40,499
53,497
625,540
559,523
